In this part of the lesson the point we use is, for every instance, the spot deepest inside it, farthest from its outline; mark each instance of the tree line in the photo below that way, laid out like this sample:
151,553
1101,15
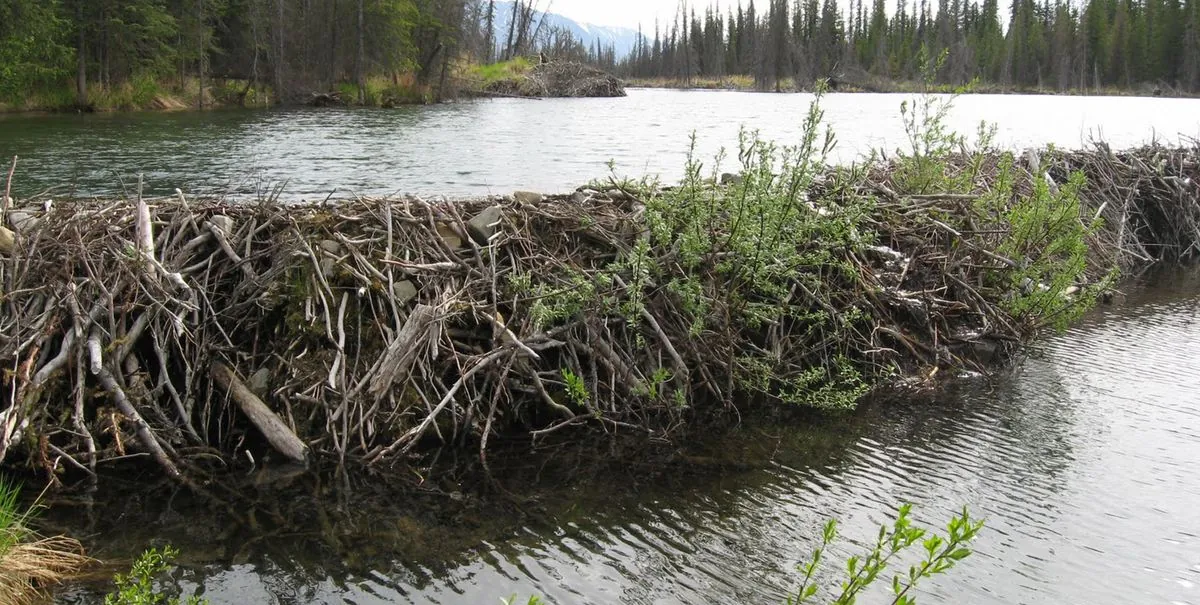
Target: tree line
1046,44
292,46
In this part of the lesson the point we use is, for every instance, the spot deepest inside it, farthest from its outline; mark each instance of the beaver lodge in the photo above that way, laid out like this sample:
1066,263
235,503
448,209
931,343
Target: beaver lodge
557,79
201,333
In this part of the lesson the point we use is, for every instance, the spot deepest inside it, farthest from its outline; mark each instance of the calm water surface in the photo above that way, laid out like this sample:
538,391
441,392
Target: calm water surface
500,145
1085,462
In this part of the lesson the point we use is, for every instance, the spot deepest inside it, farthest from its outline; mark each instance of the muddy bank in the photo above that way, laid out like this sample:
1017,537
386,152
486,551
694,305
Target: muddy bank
202,335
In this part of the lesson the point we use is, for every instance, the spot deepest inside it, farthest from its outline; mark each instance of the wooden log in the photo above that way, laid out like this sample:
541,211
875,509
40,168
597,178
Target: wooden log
402,352
266,421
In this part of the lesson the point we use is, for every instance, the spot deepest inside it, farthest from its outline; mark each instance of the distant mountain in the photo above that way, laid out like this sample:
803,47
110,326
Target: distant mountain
623,39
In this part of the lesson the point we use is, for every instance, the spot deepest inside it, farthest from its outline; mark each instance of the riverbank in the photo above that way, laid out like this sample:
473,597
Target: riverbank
518,77
746,83
144,94
192,331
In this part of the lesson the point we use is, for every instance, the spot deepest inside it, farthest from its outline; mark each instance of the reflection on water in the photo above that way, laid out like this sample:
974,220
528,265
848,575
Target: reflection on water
500,145
1083,461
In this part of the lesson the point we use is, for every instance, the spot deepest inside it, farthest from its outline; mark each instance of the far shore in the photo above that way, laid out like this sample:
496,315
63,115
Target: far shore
747,84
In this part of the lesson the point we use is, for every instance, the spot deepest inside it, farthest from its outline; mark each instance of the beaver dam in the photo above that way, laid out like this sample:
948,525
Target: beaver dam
201,333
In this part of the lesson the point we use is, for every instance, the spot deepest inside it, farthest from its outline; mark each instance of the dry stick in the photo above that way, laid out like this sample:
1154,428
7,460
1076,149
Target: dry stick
563,410
6,203
266,421
396,364
341,342
164,381
145,435
409,439
680,366
487,426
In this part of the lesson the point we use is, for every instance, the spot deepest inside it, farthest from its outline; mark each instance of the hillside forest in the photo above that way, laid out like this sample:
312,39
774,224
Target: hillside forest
73,52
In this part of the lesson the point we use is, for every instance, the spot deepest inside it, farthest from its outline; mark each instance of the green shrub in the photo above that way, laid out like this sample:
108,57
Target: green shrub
137,587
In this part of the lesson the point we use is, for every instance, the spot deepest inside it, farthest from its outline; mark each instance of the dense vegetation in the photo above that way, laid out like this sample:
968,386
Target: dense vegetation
1047,44
83,51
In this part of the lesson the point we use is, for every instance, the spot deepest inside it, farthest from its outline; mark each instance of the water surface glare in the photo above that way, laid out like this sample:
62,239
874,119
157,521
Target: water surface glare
498,146
1084,462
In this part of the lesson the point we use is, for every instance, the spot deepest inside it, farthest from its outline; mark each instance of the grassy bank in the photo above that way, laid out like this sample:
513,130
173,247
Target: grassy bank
375,328
143,94
149,94
29,563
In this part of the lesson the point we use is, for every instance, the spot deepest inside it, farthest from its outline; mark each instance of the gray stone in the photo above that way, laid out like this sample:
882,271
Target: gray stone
485,224
404,291
528,197
450,236
327,267
222,222
260,382
984,351
8,241
22,221
330,246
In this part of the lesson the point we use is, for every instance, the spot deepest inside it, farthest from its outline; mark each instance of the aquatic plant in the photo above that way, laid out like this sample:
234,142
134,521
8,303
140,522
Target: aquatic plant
30,563
137,586
941,554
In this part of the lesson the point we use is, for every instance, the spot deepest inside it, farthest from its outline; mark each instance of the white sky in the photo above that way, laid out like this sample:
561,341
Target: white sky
627,13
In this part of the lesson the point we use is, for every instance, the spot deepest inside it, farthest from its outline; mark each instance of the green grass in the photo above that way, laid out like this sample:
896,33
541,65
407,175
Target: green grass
28,562
484,75
387,92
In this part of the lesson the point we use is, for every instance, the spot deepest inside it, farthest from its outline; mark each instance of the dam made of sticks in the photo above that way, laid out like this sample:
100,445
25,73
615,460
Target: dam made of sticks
203,333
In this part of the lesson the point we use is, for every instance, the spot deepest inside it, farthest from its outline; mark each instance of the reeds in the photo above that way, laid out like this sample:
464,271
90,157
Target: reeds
28,562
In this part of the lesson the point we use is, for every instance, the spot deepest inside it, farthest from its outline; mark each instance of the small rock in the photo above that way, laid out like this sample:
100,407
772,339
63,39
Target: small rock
330,246
729,178
8,241
260,382
485,224
1071,291
327,267
404,291
984,351
450,236
22,221
528,197
222,222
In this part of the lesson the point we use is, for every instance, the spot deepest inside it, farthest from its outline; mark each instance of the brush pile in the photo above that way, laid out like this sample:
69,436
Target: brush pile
560,79
196,331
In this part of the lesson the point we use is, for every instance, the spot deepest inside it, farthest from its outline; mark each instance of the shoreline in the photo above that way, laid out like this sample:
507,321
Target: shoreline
744,85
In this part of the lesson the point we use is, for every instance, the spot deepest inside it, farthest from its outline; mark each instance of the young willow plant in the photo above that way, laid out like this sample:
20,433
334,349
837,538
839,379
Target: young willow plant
940,554
758,250
137,587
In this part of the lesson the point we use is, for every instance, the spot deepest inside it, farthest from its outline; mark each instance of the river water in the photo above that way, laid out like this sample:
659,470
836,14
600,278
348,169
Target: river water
1084,461
498,146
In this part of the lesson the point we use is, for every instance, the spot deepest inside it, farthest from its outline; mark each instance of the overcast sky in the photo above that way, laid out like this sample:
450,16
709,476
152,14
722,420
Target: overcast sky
627,13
